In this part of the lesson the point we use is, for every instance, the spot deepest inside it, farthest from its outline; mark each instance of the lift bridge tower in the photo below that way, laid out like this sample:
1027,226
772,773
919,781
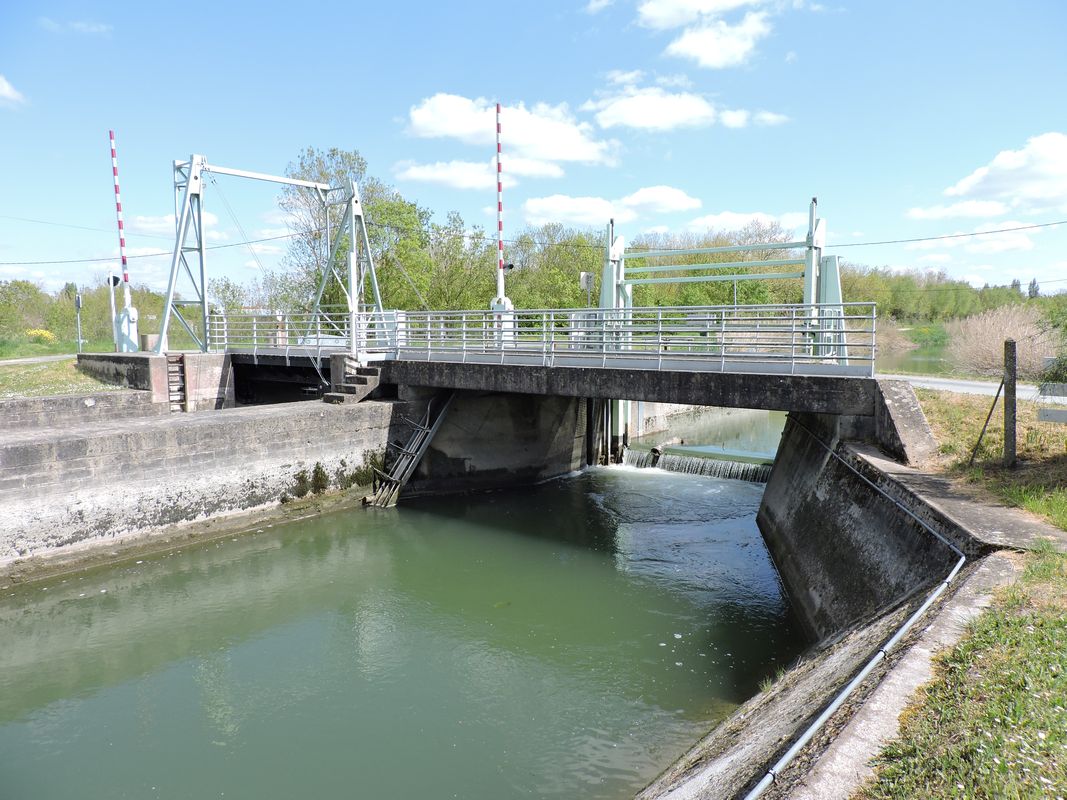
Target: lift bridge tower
345,231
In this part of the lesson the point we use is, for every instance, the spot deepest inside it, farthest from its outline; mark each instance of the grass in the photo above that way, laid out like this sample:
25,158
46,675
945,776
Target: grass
24,348
1039,482
47,378
993,722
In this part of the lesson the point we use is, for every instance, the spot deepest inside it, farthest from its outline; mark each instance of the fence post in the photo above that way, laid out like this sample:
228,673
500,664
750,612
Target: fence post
1009,402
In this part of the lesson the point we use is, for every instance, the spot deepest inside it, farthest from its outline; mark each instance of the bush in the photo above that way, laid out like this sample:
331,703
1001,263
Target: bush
320,482
1056,372
41,336
977,343
303,484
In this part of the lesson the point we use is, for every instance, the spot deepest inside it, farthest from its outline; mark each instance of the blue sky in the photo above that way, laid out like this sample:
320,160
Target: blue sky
907,119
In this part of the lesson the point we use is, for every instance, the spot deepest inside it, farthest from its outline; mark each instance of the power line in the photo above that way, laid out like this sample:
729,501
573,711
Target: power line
950,235
82,227
481,236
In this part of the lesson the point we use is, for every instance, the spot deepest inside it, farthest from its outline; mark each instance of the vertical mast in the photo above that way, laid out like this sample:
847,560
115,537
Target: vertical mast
499,214
126,299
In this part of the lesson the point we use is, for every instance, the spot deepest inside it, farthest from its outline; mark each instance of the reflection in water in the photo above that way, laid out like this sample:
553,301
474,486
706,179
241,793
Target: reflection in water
566,640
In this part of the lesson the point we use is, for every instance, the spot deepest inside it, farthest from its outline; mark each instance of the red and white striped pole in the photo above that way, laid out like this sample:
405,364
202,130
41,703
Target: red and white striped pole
127,300
499,213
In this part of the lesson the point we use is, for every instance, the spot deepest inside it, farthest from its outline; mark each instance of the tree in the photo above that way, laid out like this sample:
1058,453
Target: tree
395,231
1017,286
1034,290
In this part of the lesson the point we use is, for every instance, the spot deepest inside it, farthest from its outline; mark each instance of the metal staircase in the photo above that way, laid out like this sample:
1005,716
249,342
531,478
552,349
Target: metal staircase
389,485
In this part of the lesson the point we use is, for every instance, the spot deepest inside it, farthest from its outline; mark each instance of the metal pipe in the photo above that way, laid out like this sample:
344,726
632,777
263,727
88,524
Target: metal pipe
883,651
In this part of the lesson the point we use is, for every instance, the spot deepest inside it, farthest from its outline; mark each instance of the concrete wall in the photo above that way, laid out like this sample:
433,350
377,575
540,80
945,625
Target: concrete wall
62,488
845,552
208,376
135,370
493,440
208,381
818,394
76,409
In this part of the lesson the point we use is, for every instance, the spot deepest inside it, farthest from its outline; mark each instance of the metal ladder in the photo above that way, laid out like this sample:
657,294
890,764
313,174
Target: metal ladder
411,454
176,382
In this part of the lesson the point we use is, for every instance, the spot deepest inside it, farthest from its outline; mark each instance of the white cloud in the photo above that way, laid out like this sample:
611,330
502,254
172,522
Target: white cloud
620,77
734,118
791,57
1033,178
596,211
936,258
583,211
676,81
478,175
74,26
9,95
735,220
964,208
651,108
717,44
1006,242
596,6
660,200
770,118
664,14
163,225
543,132
457,174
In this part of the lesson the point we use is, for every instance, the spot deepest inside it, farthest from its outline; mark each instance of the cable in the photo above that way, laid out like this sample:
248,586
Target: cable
949,235
464,235
84,227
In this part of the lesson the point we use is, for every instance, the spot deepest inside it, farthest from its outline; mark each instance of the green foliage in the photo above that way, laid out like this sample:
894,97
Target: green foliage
302,483
930,335
1055,372
363,475
320,481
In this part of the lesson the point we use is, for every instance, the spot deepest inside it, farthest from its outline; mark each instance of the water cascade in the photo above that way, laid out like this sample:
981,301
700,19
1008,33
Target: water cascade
697,465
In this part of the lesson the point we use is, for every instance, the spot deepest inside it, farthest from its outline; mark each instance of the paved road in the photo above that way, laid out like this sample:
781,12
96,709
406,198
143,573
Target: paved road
36,359
1026,391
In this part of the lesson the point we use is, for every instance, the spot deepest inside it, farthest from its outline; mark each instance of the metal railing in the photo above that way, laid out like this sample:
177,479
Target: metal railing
836,339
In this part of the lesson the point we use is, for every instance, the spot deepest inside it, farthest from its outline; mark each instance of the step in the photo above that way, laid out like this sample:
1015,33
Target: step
339,398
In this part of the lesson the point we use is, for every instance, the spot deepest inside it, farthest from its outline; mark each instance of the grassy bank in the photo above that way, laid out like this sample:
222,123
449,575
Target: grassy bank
46,378
1039,482
992,722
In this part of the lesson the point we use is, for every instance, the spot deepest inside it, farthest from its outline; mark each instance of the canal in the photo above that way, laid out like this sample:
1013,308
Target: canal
567,640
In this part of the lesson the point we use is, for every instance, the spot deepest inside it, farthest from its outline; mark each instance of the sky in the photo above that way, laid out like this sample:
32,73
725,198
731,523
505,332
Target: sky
907,120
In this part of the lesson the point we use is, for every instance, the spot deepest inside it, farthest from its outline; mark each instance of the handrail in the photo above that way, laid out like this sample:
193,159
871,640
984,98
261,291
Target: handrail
834,338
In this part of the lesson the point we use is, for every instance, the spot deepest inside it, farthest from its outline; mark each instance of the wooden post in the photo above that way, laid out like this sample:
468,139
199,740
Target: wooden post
1009,402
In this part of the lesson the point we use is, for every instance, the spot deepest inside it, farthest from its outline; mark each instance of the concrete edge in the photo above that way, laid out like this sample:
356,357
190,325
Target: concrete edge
846,762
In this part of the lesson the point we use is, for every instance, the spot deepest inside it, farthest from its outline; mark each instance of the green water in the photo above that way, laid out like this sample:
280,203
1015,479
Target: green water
565,641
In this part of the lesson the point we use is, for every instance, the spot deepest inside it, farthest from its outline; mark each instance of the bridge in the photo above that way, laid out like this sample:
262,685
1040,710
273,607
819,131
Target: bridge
814,356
